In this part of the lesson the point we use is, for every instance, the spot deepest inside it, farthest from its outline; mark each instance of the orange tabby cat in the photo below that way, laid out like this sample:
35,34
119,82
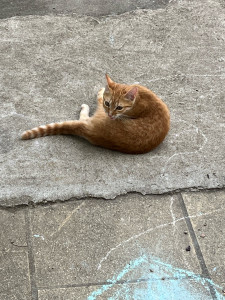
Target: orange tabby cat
129,118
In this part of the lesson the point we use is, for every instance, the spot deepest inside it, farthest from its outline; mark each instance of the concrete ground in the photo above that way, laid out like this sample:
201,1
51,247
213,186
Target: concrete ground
160,234
132,247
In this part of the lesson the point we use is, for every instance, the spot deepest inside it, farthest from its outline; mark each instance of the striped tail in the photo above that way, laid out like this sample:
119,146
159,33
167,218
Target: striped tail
67,127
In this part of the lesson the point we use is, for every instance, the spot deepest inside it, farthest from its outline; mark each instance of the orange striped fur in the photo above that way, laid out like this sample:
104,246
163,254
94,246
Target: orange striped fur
129,118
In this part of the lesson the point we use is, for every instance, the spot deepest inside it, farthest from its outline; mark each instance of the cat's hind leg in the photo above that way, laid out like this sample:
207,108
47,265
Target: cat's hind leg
84,113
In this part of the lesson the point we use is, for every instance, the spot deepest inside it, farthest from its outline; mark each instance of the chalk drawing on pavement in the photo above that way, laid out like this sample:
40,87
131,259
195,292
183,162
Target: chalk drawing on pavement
161,281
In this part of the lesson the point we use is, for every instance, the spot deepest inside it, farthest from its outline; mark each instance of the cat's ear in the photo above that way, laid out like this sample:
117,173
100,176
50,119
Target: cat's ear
107,89
109,80
132,94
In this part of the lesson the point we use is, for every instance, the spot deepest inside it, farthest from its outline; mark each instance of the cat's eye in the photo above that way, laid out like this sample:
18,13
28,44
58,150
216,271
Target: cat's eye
107,103
119,107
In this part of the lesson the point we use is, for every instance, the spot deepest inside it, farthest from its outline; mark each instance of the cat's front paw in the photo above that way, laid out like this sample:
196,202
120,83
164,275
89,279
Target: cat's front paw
85,107
100,94
84,113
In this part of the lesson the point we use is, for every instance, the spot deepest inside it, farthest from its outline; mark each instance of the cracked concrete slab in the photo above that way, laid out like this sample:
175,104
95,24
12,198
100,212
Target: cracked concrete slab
96,249
209,229
132,247
168,289
50,65
88,241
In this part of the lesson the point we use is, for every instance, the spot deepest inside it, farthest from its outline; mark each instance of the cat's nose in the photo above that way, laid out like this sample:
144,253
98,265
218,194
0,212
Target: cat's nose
111,116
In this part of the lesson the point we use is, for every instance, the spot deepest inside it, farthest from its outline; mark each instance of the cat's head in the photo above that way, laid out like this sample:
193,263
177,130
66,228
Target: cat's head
118,99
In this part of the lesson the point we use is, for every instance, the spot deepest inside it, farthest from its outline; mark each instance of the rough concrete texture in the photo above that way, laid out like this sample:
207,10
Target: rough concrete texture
14,264
51,65
132,247
84,7
137,291
210,229
98,237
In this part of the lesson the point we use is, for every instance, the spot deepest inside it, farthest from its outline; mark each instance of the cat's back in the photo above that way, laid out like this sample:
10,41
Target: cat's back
140,128
150,106
151,121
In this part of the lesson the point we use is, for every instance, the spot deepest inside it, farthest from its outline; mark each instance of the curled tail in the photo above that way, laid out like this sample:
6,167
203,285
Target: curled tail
67,127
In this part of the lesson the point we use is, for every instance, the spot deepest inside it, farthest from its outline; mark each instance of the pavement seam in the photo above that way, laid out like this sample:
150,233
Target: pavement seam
119,282
34,290
45,202
200,257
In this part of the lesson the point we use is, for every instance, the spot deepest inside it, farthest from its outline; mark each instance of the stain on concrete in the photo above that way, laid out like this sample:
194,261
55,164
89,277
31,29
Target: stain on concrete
82,7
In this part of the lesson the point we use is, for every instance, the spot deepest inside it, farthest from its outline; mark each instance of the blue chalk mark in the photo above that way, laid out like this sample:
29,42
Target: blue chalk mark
111,39
181,273
39,236
152,287
132,265
124,290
